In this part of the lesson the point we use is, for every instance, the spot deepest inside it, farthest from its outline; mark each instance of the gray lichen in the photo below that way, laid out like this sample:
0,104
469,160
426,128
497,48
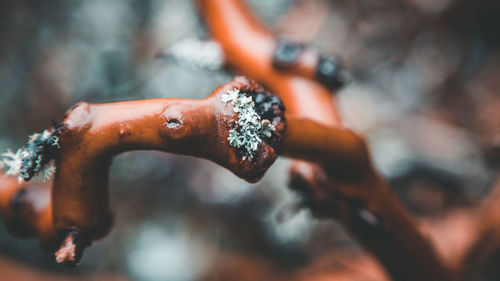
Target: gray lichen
13,161
30,160
207,55
249,130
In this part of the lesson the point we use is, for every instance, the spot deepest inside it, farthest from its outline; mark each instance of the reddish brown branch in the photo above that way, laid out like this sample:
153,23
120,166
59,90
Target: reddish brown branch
93,133
249,47
303,20
348,189
346,186
19,272
481,254
26,210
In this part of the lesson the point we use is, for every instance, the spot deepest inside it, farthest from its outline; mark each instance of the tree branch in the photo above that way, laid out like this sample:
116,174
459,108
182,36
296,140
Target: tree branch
345,186
26,211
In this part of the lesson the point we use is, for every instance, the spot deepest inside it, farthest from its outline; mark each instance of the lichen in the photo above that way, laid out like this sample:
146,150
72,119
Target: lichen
48,171
30,160
207,55
249,130
13,162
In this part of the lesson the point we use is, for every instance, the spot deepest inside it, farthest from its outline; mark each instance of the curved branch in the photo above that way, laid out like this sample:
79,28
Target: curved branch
482,253
20,272
26,211
249,47
346,186
92,134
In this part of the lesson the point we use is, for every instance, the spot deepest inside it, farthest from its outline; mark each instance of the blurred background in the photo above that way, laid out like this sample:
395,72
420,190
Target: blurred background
426,94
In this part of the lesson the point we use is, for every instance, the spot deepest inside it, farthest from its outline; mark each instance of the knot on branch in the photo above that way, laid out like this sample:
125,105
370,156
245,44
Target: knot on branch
286,54
301,59
253,125
256,127
71,250
331,74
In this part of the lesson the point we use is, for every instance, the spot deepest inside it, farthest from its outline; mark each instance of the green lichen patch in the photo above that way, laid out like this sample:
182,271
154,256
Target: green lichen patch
249,130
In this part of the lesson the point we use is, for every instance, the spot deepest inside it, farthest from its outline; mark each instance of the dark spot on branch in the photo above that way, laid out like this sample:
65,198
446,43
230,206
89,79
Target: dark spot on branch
173,123
286,54
331,74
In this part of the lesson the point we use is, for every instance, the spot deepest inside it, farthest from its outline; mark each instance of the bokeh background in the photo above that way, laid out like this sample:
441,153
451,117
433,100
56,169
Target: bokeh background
426,94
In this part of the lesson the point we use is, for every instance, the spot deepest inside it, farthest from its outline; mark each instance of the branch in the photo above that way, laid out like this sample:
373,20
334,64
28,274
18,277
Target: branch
20,272
251,49
26,211
345,186
92,134
481,256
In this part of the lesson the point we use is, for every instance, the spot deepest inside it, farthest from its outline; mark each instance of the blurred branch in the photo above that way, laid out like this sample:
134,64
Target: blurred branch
303,20
352,193
19,272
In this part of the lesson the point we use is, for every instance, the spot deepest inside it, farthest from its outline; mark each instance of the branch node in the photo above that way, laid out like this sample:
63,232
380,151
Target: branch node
331,73
71,250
